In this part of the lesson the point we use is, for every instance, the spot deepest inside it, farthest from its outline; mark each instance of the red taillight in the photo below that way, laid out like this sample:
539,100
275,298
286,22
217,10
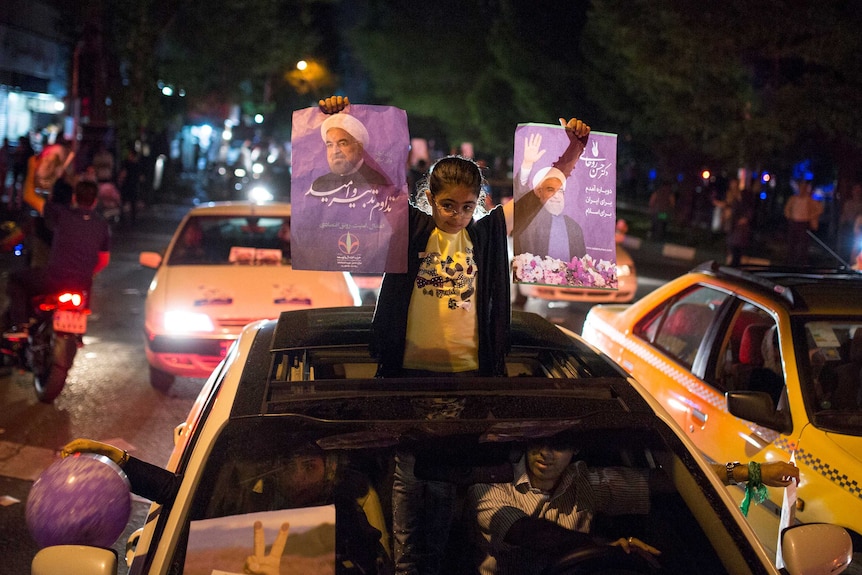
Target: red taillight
72,299
64,300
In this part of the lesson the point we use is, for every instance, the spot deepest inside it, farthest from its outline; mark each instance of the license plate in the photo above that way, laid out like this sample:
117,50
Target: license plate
70,321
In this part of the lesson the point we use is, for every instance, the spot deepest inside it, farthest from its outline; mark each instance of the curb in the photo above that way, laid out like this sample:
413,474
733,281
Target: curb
683,253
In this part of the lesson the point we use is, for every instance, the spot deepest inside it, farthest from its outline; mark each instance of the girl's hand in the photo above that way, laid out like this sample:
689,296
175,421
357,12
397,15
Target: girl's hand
333,104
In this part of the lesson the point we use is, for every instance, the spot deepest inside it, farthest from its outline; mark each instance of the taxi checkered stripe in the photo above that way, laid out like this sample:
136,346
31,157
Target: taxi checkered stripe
682,377
816,464
685,379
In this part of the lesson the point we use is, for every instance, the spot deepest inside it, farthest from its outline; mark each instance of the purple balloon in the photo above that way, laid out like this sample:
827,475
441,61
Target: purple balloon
83,499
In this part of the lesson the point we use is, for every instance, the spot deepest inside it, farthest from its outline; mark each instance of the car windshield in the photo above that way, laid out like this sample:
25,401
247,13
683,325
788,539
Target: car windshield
232,240
338,469
831,370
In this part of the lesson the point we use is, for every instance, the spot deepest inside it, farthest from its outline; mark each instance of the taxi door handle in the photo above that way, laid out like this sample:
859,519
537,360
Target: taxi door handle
699,418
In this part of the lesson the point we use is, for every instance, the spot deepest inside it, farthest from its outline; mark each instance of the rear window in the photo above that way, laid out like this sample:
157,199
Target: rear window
232,240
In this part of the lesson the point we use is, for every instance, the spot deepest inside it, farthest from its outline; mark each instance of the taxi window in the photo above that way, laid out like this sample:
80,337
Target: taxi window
679,324
750,355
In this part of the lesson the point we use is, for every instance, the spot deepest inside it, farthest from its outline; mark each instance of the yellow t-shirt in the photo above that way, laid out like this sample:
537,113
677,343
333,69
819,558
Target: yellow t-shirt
441,323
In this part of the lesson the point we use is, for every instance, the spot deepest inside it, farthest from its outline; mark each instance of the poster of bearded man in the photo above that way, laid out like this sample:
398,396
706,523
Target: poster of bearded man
349,194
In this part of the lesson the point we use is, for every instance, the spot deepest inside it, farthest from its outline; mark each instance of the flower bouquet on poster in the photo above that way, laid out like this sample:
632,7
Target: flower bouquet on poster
578,272
565,208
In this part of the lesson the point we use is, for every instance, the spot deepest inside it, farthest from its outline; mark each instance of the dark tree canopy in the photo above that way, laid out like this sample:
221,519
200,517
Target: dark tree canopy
737,83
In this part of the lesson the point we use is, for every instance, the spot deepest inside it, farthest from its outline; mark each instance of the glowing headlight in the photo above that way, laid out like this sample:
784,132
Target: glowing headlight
260,194
186,322
623,270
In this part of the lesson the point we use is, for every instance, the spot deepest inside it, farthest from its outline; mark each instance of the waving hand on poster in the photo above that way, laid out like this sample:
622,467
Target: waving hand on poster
349,189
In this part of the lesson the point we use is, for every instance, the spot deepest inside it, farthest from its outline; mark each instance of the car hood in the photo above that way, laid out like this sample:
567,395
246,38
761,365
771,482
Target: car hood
253,292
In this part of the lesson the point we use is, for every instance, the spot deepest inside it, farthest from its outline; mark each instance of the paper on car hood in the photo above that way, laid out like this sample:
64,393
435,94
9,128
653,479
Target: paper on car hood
252,291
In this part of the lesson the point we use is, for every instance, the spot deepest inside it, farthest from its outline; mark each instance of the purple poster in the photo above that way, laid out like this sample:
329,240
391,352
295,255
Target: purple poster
565,208
349,190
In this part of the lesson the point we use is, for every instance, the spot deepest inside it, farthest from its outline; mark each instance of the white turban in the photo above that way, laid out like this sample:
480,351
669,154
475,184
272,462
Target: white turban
347,123
546,173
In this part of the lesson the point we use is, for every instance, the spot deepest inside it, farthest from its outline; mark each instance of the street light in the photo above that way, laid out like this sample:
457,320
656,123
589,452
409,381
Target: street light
309,76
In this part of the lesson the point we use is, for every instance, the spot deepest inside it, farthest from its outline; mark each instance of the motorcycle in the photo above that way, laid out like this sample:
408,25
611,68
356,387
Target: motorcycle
48,351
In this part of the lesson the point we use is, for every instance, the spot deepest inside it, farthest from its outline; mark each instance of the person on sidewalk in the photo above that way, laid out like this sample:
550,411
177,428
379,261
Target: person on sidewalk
661,207
738,211
803,213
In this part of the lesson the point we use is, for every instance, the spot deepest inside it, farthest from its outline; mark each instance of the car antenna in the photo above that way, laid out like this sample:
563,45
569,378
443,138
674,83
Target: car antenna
844,264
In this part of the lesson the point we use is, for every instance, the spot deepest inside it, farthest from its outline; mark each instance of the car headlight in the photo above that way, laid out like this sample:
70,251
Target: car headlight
623,270
187,322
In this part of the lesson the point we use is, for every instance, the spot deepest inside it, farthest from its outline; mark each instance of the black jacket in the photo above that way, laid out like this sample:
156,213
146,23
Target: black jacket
493,306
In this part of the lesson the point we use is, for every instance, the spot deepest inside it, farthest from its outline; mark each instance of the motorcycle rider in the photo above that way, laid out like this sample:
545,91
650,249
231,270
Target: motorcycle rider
80,248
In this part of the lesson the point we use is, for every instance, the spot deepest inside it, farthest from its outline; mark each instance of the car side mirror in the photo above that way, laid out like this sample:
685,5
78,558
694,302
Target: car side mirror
816,549
74,560
757,407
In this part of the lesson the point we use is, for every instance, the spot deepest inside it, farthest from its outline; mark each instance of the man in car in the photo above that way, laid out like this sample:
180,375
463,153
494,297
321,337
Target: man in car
305,476
552,503
80,248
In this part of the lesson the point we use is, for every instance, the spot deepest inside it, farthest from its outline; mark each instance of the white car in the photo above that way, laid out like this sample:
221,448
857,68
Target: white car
228,264
293,426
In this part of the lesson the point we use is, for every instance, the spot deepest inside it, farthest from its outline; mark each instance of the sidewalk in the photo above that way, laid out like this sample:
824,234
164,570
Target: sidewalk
693,244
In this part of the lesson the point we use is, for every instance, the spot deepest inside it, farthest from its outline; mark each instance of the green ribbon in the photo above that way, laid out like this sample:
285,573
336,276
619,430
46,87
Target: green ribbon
755,490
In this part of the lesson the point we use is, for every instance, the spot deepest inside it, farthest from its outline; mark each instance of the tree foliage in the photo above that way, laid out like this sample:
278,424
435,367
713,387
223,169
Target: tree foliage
684,83
736,83
472,69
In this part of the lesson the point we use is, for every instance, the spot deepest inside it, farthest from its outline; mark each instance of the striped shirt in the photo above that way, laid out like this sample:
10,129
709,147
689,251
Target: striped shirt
581,494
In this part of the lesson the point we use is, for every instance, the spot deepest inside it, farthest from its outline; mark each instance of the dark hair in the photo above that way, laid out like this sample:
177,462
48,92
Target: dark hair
86,193
452,171
455,171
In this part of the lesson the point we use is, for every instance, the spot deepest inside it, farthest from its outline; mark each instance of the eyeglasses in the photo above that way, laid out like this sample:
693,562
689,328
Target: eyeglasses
451,211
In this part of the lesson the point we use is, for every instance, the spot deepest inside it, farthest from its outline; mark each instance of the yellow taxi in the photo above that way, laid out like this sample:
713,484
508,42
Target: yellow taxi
757,363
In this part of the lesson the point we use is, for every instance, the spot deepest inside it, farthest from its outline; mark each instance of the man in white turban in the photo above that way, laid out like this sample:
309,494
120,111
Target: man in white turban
351,174
540,226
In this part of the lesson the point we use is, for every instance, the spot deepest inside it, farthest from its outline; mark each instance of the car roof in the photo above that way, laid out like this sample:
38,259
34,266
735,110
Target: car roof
266,209
798,289
598,381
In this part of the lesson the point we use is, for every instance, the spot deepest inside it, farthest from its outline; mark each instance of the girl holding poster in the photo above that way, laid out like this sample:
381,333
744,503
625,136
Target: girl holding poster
448,315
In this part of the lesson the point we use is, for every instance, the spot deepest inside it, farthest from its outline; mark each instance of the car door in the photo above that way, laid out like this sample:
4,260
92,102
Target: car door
674,340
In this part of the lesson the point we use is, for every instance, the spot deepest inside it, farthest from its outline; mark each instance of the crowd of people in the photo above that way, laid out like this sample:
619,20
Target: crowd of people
755,222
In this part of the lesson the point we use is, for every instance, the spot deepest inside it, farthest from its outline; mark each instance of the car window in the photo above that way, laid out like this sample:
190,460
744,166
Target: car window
830,367
232,240
749,357
679,324
260,467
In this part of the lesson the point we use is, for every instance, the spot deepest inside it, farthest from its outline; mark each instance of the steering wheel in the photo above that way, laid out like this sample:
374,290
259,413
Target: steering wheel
600,560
